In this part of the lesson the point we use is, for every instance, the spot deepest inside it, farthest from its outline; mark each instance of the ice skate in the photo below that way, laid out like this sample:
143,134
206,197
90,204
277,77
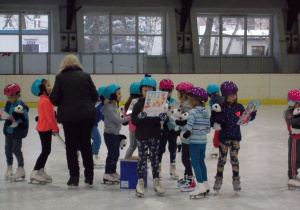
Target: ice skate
110,179
158,187
9,172
97,161
47,177
218,183
200,190
37,176
293,184
181,181
89,180
116,175
73,181
173,171
214,153
207,187
189,185
140,190
236,184
19,174
160,173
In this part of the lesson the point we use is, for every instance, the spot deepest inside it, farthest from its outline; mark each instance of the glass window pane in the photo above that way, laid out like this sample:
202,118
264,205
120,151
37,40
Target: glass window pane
233,26
233,45
96,24
152,45
209,46
208,25
258,45
96,44
35,43
257,26
9,23
33,24
150,25
9,43
123,44
123,24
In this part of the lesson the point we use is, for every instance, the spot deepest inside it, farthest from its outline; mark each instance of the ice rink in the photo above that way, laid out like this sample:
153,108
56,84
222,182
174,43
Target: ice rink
263,171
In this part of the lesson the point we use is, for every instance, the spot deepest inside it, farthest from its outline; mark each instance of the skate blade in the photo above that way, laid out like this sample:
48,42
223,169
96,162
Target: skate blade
72,186
174,177
202,195
105,181
293,188
139,194
17,179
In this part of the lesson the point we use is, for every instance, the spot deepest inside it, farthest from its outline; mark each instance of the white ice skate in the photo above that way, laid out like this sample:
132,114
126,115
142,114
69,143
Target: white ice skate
293,184
116,175
200,190
110,179
140,190
173,171
97,161
19,174
158,187
37,176
214,153
207,187
47,177
236,184
9,172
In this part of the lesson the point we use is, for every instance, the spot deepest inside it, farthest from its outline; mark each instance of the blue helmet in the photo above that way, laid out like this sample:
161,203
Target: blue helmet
110,90
148,81
36,86
101,91
212,88
135,88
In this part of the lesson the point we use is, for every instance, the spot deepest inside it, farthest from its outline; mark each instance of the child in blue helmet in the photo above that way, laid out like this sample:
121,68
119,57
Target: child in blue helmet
147,134
96,137
135,93
213,92
112,127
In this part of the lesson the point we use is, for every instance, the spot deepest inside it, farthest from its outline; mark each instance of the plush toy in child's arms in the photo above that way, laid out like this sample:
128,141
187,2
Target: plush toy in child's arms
296,114
217,117
182,121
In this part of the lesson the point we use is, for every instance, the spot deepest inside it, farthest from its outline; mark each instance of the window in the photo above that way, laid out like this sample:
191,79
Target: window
123,33
234,35
32,30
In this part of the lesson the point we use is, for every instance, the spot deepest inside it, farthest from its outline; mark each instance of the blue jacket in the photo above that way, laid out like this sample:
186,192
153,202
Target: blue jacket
21,130
99,115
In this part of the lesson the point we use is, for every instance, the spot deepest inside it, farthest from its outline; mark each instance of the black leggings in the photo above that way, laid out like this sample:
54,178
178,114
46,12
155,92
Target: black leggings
46,138
186,159
171,138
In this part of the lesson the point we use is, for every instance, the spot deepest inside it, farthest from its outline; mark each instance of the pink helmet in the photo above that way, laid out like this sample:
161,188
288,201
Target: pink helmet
166,84
293,97
12,89
184,87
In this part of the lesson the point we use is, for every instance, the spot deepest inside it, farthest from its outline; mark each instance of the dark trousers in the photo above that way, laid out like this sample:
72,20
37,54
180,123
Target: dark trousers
171,138
78,133
46,137
13,146
113,152
294,157
186,159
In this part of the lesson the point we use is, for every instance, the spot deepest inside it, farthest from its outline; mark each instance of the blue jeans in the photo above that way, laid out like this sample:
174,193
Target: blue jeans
197,152
113,152
13,146
96,140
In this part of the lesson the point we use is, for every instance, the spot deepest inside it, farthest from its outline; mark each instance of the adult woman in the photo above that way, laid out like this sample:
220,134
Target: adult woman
75,95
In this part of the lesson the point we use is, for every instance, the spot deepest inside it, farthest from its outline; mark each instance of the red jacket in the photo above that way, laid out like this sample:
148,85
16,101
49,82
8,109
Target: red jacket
46,115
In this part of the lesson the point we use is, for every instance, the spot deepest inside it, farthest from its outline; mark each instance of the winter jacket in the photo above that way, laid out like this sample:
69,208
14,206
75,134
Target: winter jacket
21,130
199,125
99,115
46,115
216,99
112,120
147,128
75,95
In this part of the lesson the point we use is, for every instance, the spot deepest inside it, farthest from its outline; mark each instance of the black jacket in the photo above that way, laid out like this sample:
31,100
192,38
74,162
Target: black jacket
75,95
147,128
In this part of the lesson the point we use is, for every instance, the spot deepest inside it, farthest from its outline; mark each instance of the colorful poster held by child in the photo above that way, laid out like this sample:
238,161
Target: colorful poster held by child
155,103
245,118
3,114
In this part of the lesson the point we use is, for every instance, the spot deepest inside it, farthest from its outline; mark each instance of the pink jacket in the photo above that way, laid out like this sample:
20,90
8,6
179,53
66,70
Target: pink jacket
131,126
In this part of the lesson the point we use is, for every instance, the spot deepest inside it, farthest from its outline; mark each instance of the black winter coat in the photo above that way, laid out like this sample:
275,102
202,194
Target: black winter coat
75,95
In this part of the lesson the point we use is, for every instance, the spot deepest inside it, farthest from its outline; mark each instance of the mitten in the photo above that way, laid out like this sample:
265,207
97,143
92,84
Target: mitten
187,134
163,116
142,115
37,118
181,122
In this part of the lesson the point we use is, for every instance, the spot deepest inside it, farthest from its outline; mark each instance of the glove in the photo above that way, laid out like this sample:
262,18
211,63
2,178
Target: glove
253,115
122,137
163,116
142,115
187,134
37,118
123,144
181,122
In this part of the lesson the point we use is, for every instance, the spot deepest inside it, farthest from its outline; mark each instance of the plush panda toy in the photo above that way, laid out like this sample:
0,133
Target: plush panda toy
182,117
296,114
121,111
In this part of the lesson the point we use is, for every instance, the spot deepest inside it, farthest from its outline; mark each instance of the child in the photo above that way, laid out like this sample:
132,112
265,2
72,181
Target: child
213,92
134,94
230,136
167,132
14,135
95,132
187,183
112,127
147,135
198,125
294,145
45,125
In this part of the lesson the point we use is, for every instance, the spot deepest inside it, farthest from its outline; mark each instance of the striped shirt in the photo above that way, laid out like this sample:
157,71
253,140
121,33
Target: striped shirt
199,125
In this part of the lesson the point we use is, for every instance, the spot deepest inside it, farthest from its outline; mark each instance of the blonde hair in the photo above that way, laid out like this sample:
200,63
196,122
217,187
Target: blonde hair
69,60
